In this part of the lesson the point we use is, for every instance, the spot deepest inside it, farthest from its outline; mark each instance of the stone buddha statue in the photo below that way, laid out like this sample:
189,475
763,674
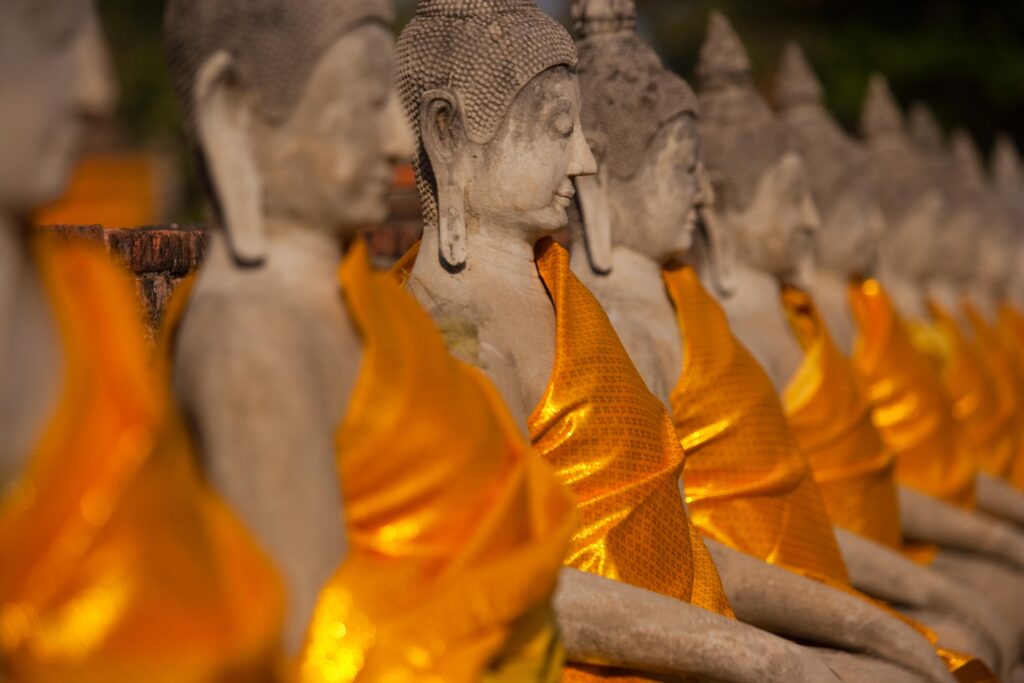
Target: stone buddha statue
118,563
1008,182
639,214
888,358
490,87
299,366
847,250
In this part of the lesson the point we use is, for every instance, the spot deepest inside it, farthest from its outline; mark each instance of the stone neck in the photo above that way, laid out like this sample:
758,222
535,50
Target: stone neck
907,295
494,257
15,263
634,275
831,290
299,259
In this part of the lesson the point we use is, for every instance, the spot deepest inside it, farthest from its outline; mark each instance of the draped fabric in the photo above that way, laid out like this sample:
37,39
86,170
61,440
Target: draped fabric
748,484
829,412
990,348
909,406
1011,332
985,423
456,529
119,564
612,442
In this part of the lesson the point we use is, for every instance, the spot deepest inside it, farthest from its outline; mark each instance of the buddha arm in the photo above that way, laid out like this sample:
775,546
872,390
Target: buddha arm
1001,499
612,623
786,603
264,446
887,575
929,520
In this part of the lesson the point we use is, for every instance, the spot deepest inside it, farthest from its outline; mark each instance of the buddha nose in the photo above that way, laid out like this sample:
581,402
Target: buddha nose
398,140
705,196
810,218
583,162
96,87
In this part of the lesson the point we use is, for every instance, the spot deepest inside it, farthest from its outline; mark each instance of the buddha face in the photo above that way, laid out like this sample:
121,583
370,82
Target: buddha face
852,234
655,211
775,232
53,74
954,247
520,182
912,243
330,164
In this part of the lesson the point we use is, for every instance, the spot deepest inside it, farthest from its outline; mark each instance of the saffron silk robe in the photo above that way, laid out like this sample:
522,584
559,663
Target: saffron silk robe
909,406
456,529
119,563
611,442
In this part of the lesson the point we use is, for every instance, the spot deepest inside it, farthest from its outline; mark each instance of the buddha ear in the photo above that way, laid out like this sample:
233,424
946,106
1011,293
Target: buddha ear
439,124
595,211
224,125
719,244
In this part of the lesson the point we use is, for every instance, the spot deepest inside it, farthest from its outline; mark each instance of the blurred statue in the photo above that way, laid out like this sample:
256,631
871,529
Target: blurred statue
640,217
828,408
300,367
118,563
490,87
937,473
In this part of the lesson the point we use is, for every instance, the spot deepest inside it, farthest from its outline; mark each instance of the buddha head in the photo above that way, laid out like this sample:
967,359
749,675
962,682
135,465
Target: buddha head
490,89
985,215
762,191
1008,181
911,196
641,122
292,110
54,75
852,221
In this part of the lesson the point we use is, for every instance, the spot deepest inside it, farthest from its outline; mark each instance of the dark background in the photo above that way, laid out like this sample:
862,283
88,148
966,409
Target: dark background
965,59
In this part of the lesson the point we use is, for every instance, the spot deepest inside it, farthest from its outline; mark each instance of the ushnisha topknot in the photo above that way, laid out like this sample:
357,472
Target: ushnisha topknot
742,138
275,44
880,115
837,162
1007,173
482,51
967,160
628,94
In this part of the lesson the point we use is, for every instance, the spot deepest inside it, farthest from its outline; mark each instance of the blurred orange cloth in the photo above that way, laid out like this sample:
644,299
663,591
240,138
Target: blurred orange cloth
1011,331
748,484
112,190
831,417
982,402
612,442
456,528
119,564
909,405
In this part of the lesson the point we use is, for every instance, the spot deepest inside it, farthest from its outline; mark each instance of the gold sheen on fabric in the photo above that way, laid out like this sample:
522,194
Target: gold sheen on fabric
748,485
612,442
456,537
829,412
909,406
119,563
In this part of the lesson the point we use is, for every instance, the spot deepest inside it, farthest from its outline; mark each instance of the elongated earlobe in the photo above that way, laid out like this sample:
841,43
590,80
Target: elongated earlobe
720,252
597,220
439,112
223,122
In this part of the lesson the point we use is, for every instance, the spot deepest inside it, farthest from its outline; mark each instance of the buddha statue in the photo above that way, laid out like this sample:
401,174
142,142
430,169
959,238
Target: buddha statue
490,88
639,225
853,226
118,563
299,366
911,409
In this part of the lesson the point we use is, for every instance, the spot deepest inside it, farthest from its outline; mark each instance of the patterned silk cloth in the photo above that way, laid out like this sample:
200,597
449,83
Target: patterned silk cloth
910,408
829,412
612,442
119,564
748,484
983,415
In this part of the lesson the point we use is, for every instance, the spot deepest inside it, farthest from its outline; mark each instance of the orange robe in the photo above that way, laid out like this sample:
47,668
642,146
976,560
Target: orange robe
119,564
985,418
612,442
1011,331
748,484
910,409
831,417
456,529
